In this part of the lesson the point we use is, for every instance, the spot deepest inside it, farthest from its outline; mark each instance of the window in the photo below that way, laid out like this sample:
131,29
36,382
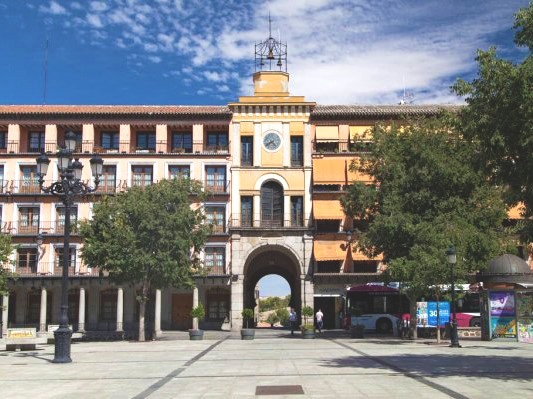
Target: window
246,211
29,182
108,180
215,260
79,141
36,142
217,142
297,151
108,305
27,260
179,171
215,217
363,266
109,140
271,204
330,266
142,175
3,141
247,151
297,211
59,257
146,141
60,221
326,146
182,142
216,178
327,226
28,220
217,304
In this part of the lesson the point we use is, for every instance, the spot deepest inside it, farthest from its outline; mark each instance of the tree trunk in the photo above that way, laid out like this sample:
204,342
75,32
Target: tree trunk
142,309
412,325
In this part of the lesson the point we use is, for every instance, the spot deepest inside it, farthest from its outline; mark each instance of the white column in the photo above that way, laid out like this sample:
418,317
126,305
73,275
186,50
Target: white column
286,210
120,309
157,321
42,316
81,311
257,211
5,312
195,304
237,289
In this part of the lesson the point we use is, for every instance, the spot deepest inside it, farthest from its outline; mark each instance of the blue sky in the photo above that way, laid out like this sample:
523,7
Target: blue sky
201,51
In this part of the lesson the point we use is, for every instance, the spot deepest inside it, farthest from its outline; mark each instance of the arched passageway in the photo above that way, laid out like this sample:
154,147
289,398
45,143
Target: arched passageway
272,259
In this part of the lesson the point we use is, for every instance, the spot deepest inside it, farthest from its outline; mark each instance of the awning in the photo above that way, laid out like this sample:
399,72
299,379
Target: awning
329,171
329,250
515,212
296,128
359,256
361,132
355,175
327,210
247,128
327,133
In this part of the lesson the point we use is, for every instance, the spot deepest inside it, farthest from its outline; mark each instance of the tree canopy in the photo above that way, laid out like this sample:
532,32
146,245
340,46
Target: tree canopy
427,194
6,248
499,116
149,236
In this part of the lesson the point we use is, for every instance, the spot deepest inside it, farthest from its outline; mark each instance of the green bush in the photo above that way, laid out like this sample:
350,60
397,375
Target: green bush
272,318
247,314
198,311
283,316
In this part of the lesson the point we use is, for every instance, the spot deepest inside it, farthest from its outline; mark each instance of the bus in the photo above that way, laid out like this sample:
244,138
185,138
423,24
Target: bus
384,306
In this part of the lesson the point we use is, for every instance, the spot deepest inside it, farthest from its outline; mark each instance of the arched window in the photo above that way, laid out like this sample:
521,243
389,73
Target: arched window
271,204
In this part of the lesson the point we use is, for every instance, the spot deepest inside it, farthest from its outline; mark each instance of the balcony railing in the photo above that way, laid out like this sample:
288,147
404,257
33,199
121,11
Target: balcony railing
27,186
217,270
53,269
336,146
238,221
215,186
34,228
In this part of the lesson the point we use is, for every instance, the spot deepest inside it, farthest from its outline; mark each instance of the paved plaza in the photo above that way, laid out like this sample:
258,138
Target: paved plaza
223,366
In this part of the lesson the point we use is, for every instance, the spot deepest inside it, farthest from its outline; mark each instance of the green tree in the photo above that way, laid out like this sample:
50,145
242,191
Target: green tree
283,316
427,194
499,116
148,236
6,249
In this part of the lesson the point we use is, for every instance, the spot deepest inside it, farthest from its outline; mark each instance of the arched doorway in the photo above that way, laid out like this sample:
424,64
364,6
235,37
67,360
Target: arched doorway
273,301
271,204
272,259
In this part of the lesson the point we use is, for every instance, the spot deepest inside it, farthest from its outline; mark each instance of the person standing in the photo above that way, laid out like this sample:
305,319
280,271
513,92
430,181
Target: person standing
292,320
319,320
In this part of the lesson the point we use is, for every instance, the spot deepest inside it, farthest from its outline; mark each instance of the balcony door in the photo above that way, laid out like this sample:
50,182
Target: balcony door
271,204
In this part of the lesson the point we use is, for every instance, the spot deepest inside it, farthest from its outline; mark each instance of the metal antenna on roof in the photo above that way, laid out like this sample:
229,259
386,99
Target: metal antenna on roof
45,71
408,97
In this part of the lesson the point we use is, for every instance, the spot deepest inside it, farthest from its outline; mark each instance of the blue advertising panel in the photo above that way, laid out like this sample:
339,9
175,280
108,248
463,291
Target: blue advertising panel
426,314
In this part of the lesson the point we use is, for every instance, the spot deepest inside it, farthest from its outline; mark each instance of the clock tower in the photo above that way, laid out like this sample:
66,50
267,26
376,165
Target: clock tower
270,184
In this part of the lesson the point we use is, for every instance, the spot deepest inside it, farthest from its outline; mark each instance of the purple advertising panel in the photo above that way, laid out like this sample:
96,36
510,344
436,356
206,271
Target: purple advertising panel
502,304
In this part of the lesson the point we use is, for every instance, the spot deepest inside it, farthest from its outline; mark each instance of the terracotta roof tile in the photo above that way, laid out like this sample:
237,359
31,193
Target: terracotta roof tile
373,111
116,109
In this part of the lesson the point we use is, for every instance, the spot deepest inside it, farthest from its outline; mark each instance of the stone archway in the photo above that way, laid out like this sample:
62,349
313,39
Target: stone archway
272,259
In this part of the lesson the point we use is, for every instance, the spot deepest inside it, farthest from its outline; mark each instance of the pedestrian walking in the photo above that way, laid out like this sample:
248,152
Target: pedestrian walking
319,320
292,320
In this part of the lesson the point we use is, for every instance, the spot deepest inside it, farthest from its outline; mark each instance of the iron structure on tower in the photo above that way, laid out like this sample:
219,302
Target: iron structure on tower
271,54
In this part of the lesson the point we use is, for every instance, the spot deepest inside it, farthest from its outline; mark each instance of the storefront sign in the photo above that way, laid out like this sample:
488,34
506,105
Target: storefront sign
21,333
329,290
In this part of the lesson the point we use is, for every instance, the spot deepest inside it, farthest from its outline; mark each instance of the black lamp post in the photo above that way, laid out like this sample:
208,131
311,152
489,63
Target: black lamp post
451,255
67,188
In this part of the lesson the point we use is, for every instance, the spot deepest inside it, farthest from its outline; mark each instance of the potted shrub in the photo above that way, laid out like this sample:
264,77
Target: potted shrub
308,328
247,315
357,330
198,313
272,319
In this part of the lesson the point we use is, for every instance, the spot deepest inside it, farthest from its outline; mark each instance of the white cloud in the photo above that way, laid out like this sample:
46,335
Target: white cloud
98,6
339,51
94,20
53,8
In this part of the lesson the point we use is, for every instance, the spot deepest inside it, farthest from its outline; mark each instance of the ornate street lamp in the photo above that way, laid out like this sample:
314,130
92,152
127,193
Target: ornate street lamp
451,256
67,188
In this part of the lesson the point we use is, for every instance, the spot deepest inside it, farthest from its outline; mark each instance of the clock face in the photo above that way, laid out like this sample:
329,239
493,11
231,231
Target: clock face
272,141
